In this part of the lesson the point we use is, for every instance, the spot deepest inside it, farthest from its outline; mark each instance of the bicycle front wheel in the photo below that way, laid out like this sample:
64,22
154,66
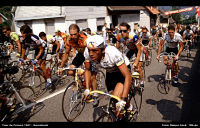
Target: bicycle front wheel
101,78
71,102
107,117
136,100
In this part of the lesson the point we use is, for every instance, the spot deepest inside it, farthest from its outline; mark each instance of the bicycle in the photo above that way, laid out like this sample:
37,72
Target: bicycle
109,114
32,76
147,58
71,101
187,48
170,70
23,99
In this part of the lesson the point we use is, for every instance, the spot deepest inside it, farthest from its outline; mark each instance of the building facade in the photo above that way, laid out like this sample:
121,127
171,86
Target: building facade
51,18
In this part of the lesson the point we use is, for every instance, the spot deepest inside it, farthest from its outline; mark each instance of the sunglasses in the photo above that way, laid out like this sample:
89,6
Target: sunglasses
122,31
144,32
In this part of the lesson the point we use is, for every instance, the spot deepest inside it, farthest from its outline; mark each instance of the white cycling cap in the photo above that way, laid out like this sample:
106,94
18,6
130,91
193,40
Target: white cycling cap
95,41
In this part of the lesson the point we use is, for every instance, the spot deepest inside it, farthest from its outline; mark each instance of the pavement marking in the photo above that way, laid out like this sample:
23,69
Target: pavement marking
50,96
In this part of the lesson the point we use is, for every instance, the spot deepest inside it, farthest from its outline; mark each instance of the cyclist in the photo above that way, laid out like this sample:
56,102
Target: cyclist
188,35
77,41
12,38
112,40
118,76
172,39
58,42
88,32
134,46
31,42
146,41
154,34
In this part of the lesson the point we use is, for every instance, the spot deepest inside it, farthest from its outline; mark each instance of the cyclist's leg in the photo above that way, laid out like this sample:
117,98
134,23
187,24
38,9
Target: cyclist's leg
77,61
168,50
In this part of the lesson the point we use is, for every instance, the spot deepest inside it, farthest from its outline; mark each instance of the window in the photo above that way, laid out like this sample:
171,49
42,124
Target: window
100,21
82,24
49,27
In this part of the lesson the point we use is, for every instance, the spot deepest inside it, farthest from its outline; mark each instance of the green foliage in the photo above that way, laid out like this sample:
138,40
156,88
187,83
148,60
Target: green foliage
6,11
190,20
177,17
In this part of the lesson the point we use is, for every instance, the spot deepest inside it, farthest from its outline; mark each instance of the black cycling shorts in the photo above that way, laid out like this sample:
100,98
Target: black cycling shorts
174,50
42,56
78,60
113,78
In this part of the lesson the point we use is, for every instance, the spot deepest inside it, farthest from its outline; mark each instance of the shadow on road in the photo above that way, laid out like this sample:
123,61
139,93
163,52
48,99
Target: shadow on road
191,98
25,115
167,108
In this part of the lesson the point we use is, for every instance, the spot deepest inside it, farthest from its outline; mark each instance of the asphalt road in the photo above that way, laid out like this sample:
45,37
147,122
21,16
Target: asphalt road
156,106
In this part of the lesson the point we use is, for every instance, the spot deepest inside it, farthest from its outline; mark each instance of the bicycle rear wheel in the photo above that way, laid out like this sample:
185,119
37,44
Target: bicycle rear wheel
135,96
33,79
106,117
71,102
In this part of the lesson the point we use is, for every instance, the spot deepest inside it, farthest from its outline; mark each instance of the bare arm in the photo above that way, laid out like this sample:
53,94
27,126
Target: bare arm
23,51
128,79
40,52
160,46
58,46
19,46
87,74
139,47
180,48
65,55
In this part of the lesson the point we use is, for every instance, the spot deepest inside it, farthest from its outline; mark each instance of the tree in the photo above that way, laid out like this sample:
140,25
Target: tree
178,17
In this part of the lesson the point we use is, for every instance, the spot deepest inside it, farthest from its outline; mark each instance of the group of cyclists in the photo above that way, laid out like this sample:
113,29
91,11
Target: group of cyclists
102,49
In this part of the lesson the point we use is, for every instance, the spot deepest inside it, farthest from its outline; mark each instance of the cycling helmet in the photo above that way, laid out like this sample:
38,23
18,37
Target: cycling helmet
95,41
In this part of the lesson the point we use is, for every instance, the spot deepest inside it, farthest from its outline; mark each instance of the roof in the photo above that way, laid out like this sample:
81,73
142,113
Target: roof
39,17
152,10
125,8
3,16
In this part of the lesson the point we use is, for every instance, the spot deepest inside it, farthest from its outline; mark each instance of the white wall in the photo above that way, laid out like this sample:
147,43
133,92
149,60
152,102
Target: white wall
108,20
68,23
38,26
144,19
17,27
130,19
60,24
92,24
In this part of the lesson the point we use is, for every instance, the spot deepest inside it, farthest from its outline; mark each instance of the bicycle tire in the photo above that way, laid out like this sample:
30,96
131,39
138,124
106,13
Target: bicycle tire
101,78
136,99
66,103
31,96
110,116
34,77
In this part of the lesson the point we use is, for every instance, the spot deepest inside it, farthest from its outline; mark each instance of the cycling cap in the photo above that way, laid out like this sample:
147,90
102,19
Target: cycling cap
95,41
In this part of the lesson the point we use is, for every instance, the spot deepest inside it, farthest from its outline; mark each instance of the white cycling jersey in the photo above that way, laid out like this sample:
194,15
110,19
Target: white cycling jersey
172,43
60,40
112,60
187,34
146,37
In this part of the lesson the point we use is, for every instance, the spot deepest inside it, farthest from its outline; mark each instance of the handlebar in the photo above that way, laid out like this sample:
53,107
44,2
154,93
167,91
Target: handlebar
169,55
103,93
